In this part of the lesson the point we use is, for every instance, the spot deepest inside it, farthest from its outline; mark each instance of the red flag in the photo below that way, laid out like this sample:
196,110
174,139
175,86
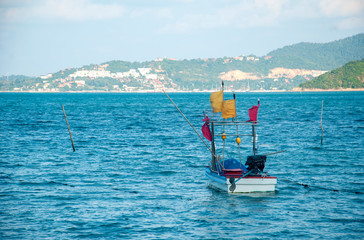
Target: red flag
253,113
206,129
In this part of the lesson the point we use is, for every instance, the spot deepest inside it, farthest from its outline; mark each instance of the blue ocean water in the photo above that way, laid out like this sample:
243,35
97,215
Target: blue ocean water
138,168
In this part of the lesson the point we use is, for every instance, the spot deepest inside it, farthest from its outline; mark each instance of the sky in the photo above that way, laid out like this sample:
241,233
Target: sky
38,37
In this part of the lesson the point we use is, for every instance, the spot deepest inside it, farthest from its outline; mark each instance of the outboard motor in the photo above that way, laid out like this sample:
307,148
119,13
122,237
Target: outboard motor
255,163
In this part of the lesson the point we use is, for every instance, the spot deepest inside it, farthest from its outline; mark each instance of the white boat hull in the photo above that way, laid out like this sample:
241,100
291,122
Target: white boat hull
243,185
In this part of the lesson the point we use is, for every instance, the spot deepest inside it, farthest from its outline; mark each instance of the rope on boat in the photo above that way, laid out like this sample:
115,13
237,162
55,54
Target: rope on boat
309,187
246,174
218,160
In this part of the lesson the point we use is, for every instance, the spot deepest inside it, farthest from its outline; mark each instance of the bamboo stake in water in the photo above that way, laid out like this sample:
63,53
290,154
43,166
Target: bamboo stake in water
322,129
68,126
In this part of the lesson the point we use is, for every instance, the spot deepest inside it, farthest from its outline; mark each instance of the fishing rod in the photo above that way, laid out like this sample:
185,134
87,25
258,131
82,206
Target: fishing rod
267,154
189,123
69,130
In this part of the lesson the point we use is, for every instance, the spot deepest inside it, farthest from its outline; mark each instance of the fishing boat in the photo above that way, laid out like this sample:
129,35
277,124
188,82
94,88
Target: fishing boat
231,175
226,170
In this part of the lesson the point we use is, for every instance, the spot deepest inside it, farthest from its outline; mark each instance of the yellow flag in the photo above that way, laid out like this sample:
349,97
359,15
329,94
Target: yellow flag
216,99
228,109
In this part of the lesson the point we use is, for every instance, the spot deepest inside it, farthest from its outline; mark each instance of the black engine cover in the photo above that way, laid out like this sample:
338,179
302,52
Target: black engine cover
256,163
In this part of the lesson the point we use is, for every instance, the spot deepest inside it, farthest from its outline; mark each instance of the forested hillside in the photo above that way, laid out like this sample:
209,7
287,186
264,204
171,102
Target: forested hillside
320,56
351,75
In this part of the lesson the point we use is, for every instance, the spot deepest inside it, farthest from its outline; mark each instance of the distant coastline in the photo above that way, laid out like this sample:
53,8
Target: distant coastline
255,91
327,90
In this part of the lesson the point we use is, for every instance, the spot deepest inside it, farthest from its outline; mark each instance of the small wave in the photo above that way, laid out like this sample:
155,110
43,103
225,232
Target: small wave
140,145
45,183
196,166
4,176
166,173
315,148
45,121
324,165
346,220
359,120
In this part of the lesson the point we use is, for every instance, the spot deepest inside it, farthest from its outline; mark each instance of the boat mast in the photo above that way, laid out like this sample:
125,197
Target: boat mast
223,132
254,139
255,150
213,161
238,140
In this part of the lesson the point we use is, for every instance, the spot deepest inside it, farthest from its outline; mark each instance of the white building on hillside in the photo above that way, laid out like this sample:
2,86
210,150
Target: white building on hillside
144,71
91,74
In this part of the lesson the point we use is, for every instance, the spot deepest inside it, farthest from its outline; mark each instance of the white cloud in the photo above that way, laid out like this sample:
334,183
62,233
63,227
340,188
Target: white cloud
350,23
71,10
156,13
342,7
349,12
241,14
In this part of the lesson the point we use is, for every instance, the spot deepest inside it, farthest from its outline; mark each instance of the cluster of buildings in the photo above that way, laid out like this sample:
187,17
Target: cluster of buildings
139,79
132,73
99,78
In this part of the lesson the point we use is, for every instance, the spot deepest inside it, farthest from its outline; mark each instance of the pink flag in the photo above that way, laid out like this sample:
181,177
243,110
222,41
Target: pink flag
206,129
253,113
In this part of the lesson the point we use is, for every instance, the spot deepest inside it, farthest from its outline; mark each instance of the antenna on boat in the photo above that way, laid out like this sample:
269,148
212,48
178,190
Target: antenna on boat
189,122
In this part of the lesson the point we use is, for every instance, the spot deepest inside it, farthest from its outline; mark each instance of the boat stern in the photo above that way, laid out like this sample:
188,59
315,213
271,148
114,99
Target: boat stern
246,184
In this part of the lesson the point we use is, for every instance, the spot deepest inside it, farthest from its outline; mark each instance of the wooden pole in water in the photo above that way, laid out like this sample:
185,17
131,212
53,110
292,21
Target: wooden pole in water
322,129
68,126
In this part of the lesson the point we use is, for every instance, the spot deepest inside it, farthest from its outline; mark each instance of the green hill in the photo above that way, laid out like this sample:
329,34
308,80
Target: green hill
351,75
320,56
8,83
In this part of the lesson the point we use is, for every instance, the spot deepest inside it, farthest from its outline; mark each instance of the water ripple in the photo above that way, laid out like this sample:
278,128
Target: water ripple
137,172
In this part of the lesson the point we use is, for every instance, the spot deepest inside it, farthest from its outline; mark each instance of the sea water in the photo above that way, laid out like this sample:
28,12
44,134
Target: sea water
138,168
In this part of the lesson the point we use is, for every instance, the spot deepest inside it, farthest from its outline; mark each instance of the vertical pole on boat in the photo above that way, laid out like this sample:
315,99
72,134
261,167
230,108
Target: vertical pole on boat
213,161
223,133
236,117
254,139
223,147
238,140
322,129
254,135
239,154
68,126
